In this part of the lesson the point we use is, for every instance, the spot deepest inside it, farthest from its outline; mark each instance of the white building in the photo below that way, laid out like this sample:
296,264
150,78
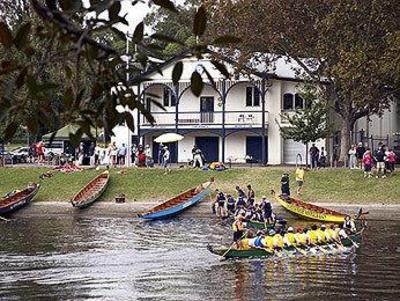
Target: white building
238,119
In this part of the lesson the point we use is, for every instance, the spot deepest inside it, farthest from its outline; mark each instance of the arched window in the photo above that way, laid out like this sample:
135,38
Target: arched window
288,103
298,102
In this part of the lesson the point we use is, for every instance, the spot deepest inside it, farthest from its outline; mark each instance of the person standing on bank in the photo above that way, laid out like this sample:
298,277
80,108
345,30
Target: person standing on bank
197,157
314,155
166,158
299,179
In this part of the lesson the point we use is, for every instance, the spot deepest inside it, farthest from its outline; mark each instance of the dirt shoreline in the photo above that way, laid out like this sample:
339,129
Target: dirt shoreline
58,209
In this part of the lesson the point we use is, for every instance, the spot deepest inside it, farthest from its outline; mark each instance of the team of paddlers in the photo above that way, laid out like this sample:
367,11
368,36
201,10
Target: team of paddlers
276,239
275,236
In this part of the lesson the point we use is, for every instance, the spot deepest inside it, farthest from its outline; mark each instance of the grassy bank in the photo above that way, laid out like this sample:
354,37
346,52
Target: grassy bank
329,185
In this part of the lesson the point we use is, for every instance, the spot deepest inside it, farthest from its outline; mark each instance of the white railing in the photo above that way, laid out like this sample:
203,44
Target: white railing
232,118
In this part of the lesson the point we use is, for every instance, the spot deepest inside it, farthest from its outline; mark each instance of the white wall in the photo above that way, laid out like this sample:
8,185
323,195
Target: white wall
273,104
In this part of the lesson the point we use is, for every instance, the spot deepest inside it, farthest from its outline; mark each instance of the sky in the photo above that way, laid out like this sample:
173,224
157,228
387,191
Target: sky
135,14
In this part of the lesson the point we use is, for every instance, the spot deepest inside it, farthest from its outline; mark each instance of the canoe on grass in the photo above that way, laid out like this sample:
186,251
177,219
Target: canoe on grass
251,253
178,204
18,199
309,211
92,191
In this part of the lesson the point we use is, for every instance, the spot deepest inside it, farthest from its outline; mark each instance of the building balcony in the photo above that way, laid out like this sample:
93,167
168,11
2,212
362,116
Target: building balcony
233,119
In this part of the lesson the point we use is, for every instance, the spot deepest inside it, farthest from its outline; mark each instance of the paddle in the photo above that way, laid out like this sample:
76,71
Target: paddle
353,242
5,219
300,250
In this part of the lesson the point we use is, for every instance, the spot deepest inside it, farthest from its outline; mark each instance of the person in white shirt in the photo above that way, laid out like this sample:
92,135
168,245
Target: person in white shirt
166,157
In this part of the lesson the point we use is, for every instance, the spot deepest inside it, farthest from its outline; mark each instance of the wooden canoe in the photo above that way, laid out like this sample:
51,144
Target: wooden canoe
309,211
178,204
262,253
19,199
92,191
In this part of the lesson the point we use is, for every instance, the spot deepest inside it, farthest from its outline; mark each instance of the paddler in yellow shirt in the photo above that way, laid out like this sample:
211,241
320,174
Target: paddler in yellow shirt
301,237
313,235
278,241
268,240
289,238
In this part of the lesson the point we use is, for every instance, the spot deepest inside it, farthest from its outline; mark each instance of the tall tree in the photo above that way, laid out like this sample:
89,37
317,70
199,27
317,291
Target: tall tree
339,44
309,124
177,26
82,46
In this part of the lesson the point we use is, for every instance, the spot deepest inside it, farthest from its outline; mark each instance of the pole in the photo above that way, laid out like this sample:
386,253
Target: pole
128,144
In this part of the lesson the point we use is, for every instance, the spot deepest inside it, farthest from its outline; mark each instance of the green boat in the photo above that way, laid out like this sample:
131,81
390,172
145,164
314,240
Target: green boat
258,225
262,253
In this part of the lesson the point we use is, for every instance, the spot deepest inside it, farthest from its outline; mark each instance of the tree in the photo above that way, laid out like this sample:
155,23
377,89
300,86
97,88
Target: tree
83,47
178,26
339,44
310,124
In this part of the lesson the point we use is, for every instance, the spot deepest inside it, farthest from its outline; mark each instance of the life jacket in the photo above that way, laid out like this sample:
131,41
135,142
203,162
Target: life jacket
268,241
237,226
278,241
245,243
321,236
332,234
301,238
290,238
313,235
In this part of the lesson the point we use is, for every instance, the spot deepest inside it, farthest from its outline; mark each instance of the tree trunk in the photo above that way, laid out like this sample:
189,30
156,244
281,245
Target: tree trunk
347,127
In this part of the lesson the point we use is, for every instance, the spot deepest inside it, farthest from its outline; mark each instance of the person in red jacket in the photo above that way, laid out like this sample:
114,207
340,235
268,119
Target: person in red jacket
390,160
367,162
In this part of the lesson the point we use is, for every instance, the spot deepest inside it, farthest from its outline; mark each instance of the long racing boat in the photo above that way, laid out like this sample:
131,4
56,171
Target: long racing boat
178,204
310,211
262,253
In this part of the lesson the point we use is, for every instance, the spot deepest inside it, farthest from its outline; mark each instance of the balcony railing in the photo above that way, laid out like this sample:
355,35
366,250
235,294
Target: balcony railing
232,119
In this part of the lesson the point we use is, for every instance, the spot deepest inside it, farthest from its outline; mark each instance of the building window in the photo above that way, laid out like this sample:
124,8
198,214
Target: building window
169,99
293,102
288,101
298,102
252,97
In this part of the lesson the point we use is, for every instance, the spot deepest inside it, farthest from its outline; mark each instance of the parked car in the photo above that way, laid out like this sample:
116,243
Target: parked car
20,155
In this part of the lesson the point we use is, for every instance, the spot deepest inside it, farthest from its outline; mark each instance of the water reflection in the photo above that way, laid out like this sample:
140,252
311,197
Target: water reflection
78,257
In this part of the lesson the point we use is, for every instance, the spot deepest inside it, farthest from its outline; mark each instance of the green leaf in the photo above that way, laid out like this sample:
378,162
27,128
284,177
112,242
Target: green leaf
119,33
129,121
138,33
114,10
221,68
226,40
167,4
200,22
22,37
5,35
177,72
197,84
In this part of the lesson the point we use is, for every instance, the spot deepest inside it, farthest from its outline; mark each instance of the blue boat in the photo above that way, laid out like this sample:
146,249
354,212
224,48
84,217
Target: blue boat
178,204
17,200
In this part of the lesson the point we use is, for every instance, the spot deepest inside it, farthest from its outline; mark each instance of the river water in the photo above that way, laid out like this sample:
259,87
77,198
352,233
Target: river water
80,258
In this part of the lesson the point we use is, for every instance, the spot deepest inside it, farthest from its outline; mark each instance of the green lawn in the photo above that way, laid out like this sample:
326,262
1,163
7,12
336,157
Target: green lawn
329,185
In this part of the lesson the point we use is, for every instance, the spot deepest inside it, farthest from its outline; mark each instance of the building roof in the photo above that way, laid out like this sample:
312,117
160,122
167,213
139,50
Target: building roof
279,67
64,132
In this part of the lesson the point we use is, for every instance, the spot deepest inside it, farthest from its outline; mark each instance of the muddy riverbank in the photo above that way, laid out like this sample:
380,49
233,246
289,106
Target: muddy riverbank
130,209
